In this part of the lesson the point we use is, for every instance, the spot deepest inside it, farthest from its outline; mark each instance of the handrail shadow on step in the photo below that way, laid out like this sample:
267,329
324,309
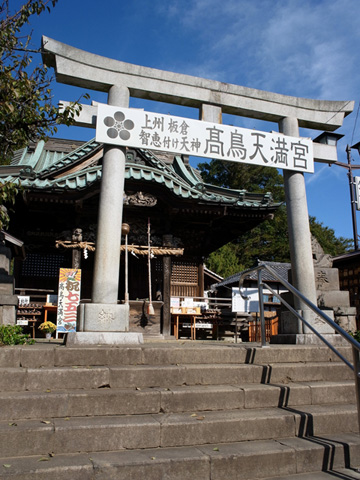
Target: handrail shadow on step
304,301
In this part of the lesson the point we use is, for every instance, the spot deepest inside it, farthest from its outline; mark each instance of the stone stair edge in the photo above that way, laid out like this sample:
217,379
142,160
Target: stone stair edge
93,434
59,355
20,379
130,401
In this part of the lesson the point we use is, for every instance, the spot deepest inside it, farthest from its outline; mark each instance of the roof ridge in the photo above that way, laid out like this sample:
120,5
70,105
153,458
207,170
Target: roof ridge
68,159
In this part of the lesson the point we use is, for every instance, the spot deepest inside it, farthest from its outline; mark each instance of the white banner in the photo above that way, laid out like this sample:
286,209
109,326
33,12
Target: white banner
184,136
357,192
239,304
68,299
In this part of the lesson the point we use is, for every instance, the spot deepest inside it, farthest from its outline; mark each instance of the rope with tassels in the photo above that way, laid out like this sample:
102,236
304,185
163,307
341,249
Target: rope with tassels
136,249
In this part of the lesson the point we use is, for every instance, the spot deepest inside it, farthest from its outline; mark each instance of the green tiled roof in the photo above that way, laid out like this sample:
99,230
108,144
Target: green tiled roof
43,163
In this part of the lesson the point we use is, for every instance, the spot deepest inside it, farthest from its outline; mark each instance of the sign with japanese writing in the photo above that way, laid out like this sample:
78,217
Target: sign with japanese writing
357,192
155,131
68,299
239,304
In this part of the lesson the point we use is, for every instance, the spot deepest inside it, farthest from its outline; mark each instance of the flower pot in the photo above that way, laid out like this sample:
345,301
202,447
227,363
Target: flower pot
48,336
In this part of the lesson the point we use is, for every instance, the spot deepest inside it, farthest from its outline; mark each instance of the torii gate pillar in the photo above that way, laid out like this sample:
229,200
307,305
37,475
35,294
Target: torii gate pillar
104,320
302,270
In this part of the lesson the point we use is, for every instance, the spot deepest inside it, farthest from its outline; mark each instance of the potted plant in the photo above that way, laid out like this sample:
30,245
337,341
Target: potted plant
48,328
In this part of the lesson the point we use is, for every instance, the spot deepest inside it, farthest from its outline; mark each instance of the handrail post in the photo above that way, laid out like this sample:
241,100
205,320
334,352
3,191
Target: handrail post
261,308
356,361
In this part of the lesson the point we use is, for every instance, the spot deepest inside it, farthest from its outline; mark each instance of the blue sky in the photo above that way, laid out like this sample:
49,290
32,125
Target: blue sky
307,48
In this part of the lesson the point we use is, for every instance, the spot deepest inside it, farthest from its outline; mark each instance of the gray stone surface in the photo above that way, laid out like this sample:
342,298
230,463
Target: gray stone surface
44,467
174,431
318,371
289,323
309,339
13,379
153,464
163,376
105,433
199,397
248,460
302,267
36,357
112,401
98,355
326,279
311,453
338,418
333,299
328,392
26,437
103,338
10,357
265,395
74,378
174,354
345,473
347,322
101,317
84,69
108,240
7,315
32,405
225,427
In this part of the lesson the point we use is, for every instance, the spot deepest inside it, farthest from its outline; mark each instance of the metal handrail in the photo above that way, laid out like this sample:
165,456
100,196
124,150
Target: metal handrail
354,344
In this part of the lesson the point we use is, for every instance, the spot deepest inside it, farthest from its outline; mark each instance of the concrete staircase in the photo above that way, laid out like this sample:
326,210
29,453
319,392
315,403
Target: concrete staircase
176,411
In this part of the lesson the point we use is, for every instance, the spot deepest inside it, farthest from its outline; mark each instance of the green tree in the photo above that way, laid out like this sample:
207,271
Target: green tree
8,193
269,241
327,239
27,112
253,178
225,261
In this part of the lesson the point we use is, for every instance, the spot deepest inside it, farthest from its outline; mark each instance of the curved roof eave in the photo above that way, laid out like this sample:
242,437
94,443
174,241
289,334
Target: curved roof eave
85,179
176,177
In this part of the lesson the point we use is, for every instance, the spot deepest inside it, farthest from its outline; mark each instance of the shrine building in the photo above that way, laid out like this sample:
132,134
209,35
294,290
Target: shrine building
188,219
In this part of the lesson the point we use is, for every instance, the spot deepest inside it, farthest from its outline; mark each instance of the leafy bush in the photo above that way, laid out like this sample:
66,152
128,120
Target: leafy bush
355,335
13,335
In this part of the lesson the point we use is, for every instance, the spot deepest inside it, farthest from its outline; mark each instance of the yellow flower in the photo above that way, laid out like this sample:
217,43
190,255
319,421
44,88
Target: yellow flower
47,327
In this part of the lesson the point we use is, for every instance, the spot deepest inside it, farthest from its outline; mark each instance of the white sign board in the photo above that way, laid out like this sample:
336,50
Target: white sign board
239,304
357,192
155,131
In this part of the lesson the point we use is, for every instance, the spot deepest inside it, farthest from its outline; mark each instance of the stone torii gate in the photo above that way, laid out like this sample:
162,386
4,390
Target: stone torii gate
122,80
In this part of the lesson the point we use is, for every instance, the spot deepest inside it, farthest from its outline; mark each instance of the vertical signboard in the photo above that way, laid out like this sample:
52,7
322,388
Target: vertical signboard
357,192
239,304
68,299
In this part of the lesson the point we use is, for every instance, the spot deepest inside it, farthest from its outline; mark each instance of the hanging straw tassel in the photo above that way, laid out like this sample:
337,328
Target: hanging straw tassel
150,308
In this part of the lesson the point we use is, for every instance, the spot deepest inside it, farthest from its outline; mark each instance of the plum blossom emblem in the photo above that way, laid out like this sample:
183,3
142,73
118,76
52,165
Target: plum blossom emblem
118,126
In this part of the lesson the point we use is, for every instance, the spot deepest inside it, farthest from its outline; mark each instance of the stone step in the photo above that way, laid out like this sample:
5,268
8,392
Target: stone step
47,355
287,458
80,377
176,399
108,433
341,473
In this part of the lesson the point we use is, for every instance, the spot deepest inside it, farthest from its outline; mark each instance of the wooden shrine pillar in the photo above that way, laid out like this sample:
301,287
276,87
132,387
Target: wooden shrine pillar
166,328
201,278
